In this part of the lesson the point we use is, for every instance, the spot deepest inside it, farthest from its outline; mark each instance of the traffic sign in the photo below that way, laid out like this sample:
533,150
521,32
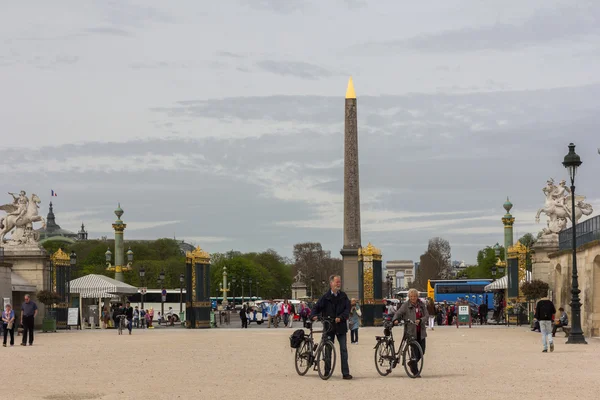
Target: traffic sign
143,290
164,292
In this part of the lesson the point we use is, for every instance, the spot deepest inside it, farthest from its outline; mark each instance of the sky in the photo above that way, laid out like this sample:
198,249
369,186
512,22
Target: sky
221,123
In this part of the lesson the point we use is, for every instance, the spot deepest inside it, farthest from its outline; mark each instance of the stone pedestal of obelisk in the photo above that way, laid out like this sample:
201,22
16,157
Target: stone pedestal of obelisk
352,240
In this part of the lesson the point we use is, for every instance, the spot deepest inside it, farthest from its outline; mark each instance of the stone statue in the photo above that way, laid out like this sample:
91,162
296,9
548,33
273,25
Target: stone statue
20,216
299,277
558,207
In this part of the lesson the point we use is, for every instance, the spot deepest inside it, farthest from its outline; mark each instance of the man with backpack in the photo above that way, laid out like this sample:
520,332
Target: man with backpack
544,312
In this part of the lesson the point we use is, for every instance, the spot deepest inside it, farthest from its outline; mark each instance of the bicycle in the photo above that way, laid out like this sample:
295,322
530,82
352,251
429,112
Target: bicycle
321,357
387,358
121,324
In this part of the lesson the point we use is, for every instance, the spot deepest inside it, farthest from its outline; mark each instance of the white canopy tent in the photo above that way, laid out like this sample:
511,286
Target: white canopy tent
99,287
502,283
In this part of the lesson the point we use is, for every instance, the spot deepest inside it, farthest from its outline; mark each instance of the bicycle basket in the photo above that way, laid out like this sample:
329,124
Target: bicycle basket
297,338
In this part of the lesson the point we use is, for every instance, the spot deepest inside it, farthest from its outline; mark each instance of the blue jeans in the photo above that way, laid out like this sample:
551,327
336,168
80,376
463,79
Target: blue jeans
129,325
546,329
343,352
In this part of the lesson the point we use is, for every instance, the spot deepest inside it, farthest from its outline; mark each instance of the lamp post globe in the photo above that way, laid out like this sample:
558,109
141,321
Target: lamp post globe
497,249
73,259
130,255
108,255
571,162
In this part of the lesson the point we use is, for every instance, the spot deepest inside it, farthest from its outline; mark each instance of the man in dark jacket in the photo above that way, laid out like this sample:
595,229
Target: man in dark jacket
335,305
544,312
128,311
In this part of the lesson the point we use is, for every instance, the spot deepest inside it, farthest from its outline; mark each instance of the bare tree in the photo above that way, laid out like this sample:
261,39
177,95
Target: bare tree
434,263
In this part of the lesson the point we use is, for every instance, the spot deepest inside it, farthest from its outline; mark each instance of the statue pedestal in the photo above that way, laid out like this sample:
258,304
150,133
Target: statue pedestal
31,264
540,266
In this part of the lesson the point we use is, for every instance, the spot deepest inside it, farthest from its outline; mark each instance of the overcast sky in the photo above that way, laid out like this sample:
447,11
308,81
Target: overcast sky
221,122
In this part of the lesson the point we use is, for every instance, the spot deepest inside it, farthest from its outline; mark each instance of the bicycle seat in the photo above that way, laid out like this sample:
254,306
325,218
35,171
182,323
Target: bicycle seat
379,338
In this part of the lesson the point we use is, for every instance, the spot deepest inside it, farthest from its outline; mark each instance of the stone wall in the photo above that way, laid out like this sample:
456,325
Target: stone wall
32,264
5,283
588,269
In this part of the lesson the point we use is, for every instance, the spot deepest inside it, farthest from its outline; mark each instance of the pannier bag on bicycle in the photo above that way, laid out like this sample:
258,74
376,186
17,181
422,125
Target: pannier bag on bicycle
297,338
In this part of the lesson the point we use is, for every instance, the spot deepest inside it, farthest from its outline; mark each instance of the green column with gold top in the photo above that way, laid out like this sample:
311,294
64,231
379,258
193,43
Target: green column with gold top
198,285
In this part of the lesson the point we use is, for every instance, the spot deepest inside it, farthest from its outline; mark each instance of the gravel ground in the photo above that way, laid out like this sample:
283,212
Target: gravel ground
495,362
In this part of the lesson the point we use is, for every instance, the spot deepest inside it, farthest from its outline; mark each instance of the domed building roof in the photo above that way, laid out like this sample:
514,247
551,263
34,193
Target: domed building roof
52,229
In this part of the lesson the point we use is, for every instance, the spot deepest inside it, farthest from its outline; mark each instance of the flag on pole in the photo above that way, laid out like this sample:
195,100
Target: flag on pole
53,193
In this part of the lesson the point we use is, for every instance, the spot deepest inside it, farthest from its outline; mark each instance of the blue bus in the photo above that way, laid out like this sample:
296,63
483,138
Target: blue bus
469,289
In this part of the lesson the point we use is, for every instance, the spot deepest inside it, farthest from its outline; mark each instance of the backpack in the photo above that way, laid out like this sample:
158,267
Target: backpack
297,338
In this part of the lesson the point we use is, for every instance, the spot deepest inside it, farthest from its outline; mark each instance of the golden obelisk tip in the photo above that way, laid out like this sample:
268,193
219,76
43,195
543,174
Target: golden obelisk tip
350,93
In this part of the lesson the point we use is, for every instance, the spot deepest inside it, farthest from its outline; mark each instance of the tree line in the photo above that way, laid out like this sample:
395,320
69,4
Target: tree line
271,274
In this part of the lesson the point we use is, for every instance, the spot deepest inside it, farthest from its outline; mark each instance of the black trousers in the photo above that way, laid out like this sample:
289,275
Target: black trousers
354,336
12,333
28,329
341,338
555,327
244,322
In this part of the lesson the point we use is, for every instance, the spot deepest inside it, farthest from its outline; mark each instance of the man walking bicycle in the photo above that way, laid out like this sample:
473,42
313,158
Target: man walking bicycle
335,305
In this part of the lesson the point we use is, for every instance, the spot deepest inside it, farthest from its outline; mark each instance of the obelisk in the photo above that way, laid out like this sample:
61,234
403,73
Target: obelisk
349,252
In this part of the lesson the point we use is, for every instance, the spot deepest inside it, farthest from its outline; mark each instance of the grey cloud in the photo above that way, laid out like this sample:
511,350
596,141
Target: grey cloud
281,7
545,26
106,30
298,69
230,54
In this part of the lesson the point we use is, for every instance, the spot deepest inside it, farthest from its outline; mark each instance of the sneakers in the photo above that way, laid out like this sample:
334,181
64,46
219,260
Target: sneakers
544,351
551,347
23,344
347,377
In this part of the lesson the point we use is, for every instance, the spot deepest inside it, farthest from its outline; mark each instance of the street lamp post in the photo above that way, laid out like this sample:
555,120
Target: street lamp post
572,161
73,265
257,285
162,298
225,287
243,281
181,279
250,287
142,280
312,282
233,280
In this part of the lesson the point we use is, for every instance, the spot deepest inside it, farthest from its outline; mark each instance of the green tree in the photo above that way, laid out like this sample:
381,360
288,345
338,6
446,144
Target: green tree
528,240
486,259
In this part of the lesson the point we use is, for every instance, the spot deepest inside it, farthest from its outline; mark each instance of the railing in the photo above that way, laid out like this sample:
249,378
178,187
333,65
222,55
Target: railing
585,232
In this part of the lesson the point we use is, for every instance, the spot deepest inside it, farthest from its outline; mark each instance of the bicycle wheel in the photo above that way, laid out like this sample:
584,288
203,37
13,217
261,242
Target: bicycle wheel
412,358
384,357
326,360
303,357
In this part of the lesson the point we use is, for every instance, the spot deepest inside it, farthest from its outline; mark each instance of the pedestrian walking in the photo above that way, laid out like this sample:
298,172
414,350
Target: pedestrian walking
292,315
272,311
544,310
483,312
128,315
29,311
431,311
244,317
136,317
8,324
285,312
354,321
335,304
